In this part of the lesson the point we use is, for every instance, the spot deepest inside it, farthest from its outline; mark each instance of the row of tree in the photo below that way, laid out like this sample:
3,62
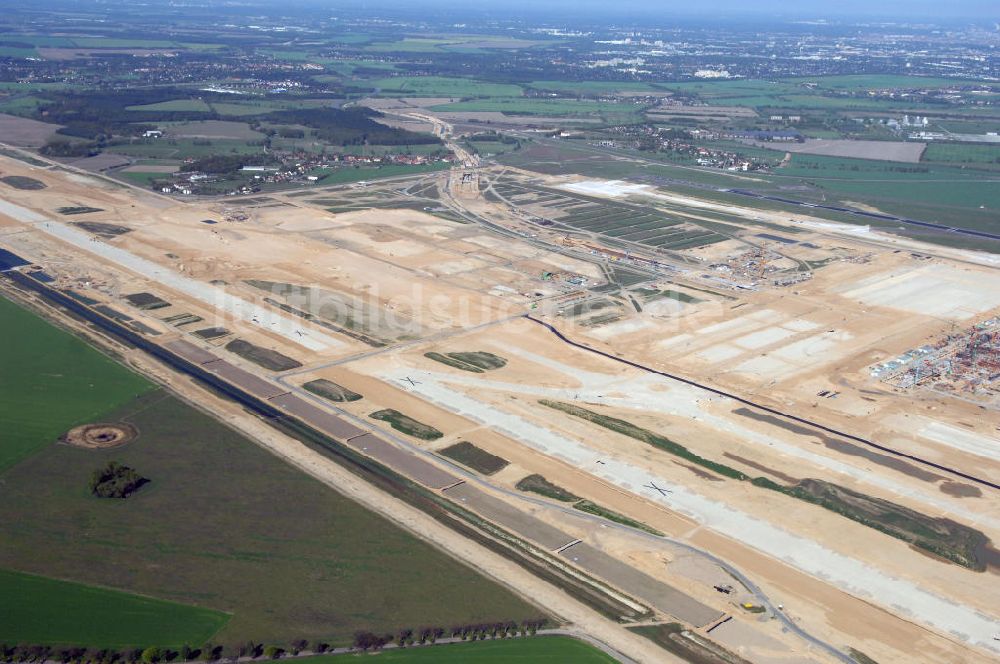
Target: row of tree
366,641
470,632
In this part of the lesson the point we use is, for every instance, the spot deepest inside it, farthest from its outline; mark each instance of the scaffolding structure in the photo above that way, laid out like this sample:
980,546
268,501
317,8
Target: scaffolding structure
966,362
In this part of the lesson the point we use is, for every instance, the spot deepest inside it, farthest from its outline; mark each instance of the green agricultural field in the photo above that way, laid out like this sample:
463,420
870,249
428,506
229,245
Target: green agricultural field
240,110
15,52
853,83
225,525
821,168
491,147
936,185
524,106
351,38
859,82
330,176
528,650
409,45
593,87
142,179
115,42
963,153
734,88
441,86
793,93
970,126
20,105
566,157
167,148
292,56
454,44
816,102
368,150
196,105
972,194
348,67
50,382
33,86
41,40
50,611
112,42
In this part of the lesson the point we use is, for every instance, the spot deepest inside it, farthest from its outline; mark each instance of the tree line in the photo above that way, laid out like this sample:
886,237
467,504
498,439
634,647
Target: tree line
469,632
210,652
351,126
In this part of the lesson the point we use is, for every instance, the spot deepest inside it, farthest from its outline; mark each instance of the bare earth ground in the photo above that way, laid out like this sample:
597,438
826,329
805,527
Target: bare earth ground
421,283
24,132
906,152
101,162
100,436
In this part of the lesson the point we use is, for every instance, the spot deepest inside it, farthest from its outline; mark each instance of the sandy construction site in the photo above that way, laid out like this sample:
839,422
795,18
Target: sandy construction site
737,429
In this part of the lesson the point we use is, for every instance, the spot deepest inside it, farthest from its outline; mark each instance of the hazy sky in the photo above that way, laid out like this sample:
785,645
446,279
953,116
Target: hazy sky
894,9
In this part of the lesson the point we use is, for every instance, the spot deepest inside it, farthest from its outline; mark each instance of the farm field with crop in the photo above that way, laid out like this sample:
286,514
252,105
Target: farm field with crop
59,612
229,527
515,106
441,86
980,155
222,525
174,105
536,650
50,382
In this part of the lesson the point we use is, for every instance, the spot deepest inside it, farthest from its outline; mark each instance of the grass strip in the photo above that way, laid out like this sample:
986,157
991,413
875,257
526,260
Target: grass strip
610,515
945,538
942,537
406,424
56,612
452,362
689,646
538,484
473,361
327,389
475,458
656,440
